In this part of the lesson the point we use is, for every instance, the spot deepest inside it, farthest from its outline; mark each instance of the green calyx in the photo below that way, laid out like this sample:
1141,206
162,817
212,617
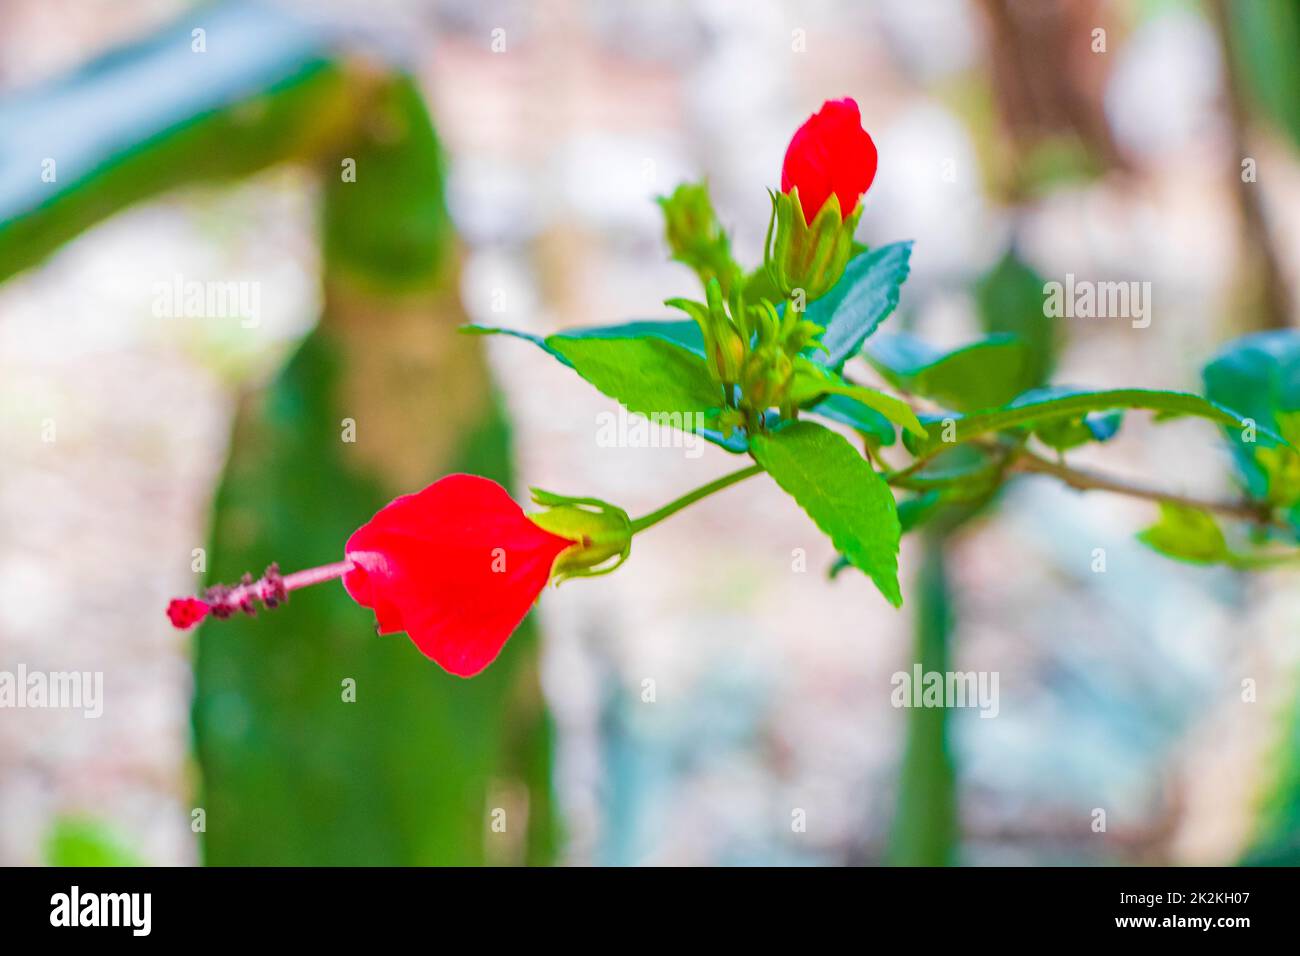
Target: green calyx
601,532
805,261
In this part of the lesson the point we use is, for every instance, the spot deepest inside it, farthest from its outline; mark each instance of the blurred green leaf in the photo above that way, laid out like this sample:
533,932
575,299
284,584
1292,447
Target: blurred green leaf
1186,534
984,374
1009,299
292,773
82,841
1260,375
1045,405
1063,434
843,495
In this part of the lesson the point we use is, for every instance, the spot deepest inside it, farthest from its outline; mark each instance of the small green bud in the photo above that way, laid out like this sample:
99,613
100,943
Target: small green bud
601,531
767,376
724,346
695,236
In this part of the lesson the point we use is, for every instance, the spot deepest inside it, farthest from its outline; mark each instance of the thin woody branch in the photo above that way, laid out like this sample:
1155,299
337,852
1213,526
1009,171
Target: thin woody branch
1081,480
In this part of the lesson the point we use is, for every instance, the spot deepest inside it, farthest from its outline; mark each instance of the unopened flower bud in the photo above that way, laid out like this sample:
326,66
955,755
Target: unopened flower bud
830,163
695,236
724,346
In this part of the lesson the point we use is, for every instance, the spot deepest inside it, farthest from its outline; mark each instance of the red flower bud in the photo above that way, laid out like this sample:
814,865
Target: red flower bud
186,612
456,566
830,154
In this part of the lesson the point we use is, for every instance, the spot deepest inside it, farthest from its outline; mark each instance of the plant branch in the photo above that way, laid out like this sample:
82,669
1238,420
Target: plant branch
1092,481
654,517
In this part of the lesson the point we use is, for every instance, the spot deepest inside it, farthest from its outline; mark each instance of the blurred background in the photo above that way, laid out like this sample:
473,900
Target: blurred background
712,703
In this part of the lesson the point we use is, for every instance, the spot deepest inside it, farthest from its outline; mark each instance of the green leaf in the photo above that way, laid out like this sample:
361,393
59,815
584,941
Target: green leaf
984,374
1046,405
82,841
649,376
681,332
894,409
851,412
1063,434
914,511
1186,534
811,381
963,472
672,348
841,492
1260,376
863,298
685,334
1009,300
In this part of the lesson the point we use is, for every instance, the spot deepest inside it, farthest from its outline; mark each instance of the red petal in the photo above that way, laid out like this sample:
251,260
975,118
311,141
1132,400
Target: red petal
830,153
456,566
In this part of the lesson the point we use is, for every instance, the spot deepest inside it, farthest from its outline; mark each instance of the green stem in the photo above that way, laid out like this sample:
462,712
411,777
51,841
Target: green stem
1265,559
654,517
924,831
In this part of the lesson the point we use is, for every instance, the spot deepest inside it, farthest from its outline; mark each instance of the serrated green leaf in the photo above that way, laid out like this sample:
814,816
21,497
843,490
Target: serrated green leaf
863,298
649,376
1056,403
686,335
895,409
1186,534
677,343
984,374
851,412
538,340
812,381
841,492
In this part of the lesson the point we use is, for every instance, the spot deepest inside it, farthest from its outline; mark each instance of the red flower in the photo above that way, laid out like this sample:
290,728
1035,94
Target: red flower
186,612
830,154
456,566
